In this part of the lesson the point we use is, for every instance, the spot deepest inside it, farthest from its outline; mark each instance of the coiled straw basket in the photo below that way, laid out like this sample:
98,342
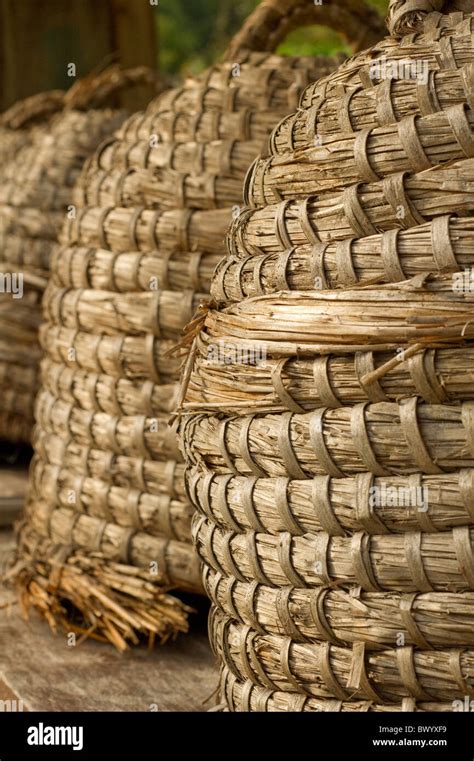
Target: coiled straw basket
44,142
108,526
327,404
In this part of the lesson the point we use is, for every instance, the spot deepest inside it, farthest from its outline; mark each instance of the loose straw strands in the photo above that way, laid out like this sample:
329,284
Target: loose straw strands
427,621
111,602
329,671
338,506
382,438
412,562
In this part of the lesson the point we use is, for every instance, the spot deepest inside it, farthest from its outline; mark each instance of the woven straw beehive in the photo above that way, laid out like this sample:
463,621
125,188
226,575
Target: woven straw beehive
44,141
327,407
107,489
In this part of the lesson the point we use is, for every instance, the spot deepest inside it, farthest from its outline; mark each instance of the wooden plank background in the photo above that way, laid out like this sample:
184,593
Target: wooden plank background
39,39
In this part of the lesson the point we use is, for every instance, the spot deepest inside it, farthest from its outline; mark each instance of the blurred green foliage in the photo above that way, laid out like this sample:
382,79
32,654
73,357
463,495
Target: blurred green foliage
194,33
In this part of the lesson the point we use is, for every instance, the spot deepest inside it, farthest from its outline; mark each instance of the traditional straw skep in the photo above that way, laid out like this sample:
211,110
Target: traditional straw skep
136,261
44,142
327,407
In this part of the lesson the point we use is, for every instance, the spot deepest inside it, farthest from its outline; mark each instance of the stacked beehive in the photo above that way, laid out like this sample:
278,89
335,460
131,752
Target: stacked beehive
44,141
328,414
153,206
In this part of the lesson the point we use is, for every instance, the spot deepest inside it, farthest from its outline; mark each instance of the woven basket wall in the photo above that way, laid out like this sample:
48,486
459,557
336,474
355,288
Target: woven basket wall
155,201
327,404
44,141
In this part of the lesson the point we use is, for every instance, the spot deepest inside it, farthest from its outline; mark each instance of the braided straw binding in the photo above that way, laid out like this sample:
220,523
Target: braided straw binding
135,262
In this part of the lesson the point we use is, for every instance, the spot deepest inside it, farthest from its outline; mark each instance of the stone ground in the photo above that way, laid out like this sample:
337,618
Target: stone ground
39,668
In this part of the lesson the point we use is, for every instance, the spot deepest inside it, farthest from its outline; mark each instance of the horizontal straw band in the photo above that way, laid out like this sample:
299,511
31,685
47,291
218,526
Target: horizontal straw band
338,506
411,562
380,620
382,438
244,695
157,515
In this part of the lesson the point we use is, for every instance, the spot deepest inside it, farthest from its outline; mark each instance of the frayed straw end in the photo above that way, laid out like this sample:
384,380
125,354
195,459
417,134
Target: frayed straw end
94,598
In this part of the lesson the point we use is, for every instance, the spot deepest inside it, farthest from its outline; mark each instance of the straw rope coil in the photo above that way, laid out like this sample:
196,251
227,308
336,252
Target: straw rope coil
243,696
327,671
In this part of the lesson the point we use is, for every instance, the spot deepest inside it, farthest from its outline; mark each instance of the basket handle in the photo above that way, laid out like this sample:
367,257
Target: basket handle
405,16
35,108
269,24
92,90
97,89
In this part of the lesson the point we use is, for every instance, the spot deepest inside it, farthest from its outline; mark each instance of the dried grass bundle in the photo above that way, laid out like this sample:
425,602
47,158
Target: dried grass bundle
382,438
443,245
91,597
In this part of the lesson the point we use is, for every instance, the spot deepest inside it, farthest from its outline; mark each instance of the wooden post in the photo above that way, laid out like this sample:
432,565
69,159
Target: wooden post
39,39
